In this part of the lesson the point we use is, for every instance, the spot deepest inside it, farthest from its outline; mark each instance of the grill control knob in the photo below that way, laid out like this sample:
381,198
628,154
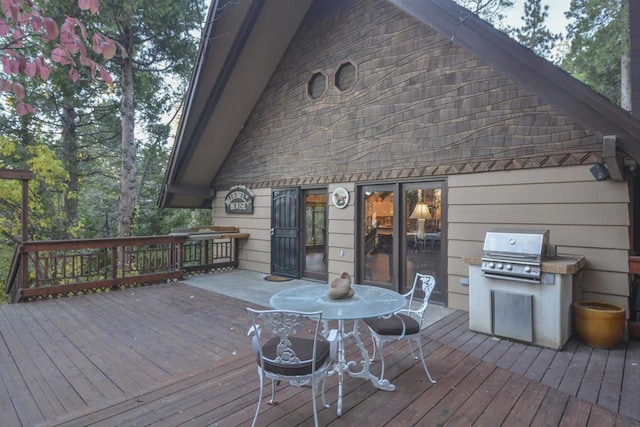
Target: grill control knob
527,269
499,266
492,265
508,267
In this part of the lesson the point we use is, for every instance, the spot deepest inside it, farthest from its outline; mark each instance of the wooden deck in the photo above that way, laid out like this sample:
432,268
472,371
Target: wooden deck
173,354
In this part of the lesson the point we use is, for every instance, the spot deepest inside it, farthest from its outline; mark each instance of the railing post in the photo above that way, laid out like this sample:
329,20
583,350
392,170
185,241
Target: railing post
180,254
114,262
234,250
24,256
24,267
25,210
173,254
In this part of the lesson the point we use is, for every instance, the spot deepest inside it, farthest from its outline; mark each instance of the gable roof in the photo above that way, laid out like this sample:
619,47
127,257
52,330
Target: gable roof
243,43
241,46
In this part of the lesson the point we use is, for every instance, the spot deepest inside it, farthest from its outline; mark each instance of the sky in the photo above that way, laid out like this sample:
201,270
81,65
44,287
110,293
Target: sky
556,21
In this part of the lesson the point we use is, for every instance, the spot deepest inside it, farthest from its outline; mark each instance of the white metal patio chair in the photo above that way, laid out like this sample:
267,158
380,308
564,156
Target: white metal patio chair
289,347
404,324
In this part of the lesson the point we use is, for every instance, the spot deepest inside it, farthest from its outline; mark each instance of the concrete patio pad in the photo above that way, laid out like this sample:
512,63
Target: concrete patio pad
251,286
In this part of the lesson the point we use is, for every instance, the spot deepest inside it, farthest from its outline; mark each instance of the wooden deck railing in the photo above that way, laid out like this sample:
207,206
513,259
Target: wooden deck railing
44,269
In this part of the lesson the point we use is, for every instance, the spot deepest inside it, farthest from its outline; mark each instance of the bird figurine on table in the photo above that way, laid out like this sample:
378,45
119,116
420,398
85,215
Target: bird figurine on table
341,287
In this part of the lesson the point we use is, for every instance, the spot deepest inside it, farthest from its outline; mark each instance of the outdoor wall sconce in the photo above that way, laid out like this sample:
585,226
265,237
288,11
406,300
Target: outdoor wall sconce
599,172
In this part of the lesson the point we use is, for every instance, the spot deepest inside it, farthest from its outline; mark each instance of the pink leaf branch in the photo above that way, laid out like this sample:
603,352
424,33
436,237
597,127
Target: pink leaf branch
92,5
22,20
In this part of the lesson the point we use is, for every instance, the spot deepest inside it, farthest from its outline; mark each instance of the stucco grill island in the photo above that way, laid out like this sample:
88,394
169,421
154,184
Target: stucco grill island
518,290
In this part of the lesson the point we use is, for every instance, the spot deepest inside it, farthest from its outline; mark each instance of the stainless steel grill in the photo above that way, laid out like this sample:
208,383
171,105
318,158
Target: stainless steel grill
512,254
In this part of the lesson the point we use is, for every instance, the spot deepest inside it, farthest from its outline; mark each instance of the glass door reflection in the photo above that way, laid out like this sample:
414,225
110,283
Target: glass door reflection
423,224
378,203
314,257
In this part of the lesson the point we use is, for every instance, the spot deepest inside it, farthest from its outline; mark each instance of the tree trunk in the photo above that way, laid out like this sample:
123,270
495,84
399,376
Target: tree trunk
70,160
128,170
625,82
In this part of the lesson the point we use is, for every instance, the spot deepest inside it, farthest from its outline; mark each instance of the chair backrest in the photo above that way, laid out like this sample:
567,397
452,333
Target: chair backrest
276,331
425,283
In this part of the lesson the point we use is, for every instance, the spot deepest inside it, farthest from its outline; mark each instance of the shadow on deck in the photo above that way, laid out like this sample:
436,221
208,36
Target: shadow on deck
175,354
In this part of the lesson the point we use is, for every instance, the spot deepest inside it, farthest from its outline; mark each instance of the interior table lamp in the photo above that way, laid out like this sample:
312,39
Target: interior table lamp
421,213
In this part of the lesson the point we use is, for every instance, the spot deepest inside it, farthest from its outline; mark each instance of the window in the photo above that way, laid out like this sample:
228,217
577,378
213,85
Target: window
317,85
345,77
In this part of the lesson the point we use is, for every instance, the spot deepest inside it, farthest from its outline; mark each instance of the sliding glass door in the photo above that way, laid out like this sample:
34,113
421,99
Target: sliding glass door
400,234
423,246
377,230
314,256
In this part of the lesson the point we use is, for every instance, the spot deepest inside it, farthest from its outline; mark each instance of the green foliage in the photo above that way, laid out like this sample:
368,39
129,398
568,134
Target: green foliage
73,143
48,183
489,10
599,34
533,33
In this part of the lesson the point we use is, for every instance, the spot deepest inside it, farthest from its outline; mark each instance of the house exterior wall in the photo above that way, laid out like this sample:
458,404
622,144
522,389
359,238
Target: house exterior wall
583,216
341,253
255,252
423,108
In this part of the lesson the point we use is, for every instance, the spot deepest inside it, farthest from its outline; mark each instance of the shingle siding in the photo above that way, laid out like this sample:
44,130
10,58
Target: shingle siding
418,100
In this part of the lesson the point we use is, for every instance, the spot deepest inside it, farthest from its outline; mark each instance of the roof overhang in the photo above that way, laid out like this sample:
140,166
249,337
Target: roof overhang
241,46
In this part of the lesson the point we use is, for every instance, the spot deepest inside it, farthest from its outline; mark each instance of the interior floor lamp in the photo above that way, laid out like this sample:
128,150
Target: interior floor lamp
421,213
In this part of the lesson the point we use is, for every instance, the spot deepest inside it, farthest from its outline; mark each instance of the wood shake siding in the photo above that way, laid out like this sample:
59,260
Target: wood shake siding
584,217
421,106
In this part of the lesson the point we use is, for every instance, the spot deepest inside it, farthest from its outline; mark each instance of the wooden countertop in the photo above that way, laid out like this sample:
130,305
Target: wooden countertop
561,264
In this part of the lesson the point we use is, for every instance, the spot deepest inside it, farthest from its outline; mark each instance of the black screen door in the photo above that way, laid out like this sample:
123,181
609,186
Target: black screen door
285,232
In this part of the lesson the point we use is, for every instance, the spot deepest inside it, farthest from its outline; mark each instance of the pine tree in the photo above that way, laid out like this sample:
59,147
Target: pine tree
599,34
533,33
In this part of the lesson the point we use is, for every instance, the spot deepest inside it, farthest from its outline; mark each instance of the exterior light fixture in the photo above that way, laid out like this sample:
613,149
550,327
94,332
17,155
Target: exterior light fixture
599,172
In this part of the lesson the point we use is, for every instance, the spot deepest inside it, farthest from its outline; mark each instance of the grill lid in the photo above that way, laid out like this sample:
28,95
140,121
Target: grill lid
514,254
513,243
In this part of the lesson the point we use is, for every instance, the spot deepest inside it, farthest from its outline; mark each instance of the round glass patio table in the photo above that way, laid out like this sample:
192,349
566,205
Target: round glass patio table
368,301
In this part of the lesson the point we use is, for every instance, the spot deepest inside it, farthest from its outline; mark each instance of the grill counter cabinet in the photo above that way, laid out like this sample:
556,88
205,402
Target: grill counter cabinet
537,313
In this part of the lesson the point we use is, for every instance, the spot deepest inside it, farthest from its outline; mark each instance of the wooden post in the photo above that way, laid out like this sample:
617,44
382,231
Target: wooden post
24,256
25,209
24,176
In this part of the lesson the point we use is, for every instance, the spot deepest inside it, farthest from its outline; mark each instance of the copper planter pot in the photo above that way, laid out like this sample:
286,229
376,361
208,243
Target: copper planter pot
599,324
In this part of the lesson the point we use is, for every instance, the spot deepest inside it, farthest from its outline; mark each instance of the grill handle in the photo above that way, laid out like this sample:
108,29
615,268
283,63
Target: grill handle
511,278
501,257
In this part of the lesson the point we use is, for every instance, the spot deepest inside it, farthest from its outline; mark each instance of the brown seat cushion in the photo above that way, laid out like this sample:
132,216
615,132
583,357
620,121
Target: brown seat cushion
393,325
303,348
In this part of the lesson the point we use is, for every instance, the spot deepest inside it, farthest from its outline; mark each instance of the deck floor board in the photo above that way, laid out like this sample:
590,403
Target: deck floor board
172,354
